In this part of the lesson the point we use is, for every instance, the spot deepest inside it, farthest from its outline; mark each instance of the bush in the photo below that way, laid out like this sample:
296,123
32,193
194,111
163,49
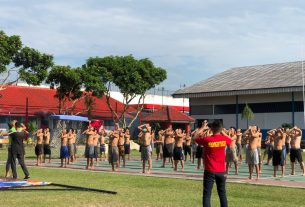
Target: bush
287,125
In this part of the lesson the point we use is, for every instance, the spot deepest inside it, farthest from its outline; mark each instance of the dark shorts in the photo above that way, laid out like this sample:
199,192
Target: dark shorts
187,150
46,149
89,152
38,149
168,150
178,153
95,151
127,149
146,153
199,151
102,148
278,158
238,149
287,145
296,154
64,152
270,151
284,152
121,150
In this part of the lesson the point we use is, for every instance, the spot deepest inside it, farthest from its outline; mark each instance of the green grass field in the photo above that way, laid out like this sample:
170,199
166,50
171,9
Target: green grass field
139,191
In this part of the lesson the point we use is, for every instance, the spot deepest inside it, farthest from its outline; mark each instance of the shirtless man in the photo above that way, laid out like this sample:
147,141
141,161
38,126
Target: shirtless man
121,144
127,143
231,155
113,153
74,144
270,142
89,151
64,152
201,132
287,141
188,146
46,145
160,144
295,151
146,147
39,146
96,137
194,145
259,150
278,157
102,145
178,149
152,143
168,148
239,136
71,146
252,136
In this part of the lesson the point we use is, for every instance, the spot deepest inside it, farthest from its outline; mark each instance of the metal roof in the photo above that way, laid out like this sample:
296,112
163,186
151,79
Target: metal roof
69,118
259,79
168,114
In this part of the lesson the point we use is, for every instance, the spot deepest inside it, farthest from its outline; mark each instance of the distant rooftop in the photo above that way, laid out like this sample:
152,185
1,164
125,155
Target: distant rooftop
259,79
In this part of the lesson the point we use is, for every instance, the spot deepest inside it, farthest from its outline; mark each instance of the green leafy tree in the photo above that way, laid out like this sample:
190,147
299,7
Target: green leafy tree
287,125
247,114
133,78
68,84
29,64
32,127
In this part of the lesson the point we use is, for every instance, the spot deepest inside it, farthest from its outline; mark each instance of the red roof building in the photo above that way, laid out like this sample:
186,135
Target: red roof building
168,116
42,102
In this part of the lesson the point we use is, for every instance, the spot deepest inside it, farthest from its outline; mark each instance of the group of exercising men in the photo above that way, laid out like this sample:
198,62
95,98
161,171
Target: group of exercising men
42,148
177,145
277,147
68,147
118,146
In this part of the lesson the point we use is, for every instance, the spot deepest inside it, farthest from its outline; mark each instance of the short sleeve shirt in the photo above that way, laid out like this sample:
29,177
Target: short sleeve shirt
214,152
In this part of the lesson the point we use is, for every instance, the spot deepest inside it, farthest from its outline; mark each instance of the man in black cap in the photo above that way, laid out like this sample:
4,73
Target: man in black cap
17,150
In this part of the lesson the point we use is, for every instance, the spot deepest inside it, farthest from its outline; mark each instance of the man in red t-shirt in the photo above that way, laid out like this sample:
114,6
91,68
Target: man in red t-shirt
215,165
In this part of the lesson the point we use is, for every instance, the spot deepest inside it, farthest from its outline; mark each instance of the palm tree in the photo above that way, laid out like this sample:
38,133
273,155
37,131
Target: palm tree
247,114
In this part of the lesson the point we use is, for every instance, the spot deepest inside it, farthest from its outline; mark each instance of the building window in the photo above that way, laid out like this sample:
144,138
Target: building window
201,110
271,107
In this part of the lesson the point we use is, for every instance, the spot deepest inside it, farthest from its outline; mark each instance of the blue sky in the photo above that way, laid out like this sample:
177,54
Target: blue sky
192,39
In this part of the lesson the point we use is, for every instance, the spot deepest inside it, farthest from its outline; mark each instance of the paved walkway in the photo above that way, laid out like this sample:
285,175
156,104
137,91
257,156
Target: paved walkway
133,167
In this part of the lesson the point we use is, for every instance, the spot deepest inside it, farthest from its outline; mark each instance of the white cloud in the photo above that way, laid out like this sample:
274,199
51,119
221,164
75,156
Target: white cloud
192,39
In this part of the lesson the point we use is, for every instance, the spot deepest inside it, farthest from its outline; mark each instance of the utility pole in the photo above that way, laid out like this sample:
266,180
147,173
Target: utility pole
183,99
162,90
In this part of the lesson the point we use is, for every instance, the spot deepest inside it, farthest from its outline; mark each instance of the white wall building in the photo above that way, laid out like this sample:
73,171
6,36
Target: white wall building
152,102
273,92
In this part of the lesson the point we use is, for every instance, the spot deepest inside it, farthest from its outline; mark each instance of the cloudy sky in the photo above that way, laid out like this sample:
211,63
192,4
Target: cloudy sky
192,39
